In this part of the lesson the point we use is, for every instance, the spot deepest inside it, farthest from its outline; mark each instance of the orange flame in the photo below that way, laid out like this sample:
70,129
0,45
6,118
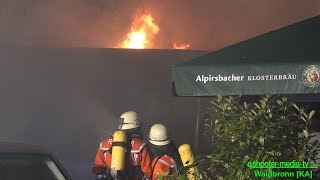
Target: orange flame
143,31
181,46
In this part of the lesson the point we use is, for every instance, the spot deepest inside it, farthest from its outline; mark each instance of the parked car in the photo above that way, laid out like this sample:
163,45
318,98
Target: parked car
24,161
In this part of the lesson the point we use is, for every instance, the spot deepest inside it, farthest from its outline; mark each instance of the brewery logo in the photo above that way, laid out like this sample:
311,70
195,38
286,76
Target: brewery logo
311,76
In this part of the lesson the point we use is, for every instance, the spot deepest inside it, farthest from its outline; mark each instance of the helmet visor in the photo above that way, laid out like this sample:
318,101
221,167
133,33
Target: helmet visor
122,123
159,142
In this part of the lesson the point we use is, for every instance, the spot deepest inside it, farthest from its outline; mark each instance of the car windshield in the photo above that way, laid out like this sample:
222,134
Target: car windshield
35,167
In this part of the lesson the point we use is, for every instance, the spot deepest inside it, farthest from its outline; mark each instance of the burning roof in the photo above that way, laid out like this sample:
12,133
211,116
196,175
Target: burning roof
143,32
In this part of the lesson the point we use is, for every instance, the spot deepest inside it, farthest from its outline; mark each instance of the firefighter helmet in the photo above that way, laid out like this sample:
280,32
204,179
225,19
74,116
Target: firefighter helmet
129,120
159,135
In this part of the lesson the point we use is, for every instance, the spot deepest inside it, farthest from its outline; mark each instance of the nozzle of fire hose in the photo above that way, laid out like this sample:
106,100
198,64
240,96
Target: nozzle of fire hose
101,176
188,161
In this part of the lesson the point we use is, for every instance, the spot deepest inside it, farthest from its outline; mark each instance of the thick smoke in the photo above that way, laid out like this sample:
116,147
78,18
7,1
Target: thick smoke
205,24
84,23
68,100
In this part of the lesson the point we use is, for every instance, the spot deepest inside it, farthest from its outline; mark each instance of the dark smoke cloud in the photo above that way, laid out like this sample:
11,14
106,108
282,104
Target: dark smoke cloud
88,23
206,24
211,24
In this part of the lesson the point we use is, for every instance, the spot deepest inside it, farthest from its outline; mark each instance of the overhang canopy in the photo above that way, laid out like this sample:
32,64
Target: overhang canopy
285,61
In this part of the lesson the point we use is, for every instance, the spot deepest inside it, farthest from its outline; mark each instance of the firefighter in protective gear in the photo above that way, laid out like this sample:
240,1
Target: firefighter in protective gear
137,160
166,159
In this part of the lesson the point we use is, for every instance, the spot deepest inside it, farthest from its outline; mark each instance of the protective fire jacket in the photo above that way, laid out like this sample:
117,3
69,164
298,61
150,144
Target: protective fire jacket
140,157
162,166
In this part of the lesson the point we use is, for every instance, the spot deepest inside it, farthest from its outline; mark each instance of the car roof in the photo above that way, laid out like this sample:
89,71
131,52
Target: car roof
12,147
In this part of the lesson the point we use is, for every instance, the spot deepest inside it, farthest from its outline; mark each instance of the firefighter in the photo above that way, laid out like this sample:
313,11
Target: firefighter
166,159
137,157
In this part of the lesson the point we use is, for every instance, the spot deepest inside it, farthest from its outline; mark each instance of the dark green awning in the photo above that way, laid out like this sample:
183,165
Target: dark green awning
275,76
285,61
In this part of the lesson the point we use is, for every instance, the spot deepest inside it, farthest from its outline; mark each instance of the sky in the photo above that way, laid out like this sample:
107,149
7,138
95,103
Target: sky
204,24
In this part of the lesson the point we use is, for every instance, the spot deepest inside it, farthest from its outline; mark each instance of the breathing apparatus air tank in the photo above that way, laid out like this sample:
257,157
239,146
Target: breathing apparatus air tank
118,153
188,161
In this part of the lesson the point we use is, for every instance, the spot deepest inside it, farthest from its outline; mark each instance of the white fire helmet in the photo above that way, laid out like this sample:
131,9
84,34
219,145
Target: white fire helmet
158,135
129,120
